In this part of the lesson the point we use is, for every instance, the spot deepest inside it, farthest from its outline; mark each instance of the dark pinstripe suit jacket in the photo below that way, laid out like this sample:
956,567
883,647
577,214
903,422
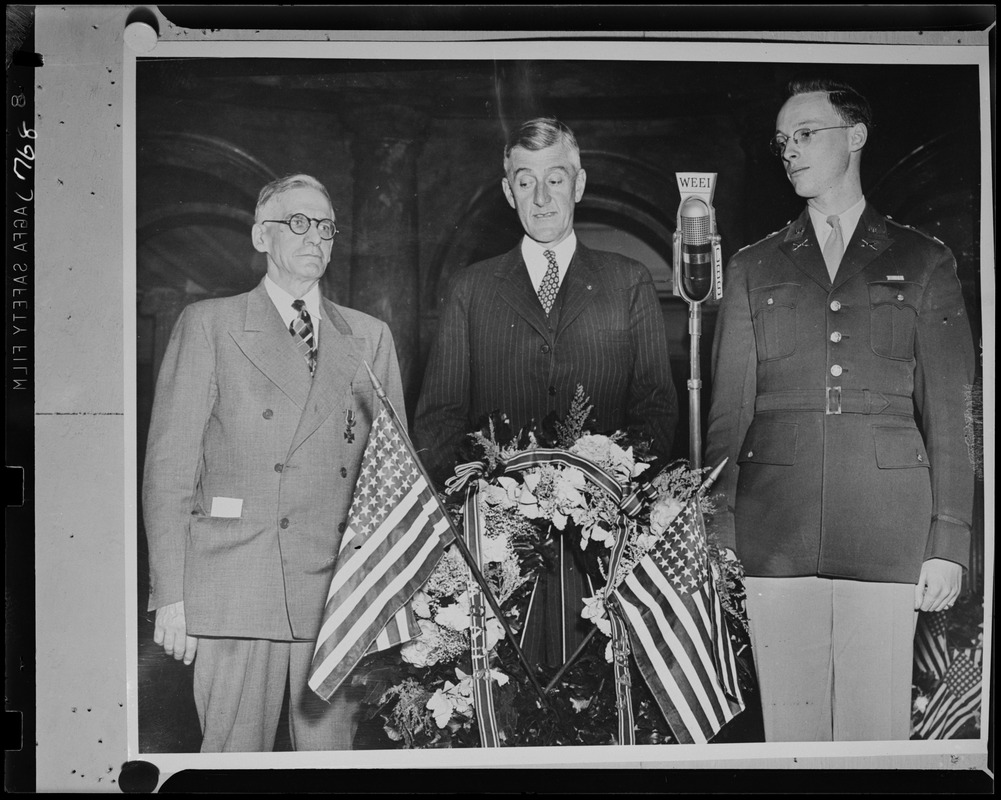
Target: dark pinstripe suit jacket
496,350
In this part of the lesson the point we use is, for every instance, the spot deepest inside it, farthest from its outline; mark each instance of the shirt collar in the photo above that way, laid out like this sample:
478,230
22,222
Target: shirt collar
535,260
848,219
283,301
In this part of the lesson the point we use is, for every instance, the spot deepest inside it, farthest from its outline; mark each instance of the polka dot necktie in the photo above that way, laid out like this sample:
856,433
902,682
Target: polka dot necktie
302,329
550,282
834,248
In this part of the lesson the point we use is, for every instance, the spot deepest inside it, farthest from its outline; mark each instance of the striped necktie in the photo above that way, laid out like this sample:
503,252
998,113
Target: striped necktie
301,329
834,248
550,282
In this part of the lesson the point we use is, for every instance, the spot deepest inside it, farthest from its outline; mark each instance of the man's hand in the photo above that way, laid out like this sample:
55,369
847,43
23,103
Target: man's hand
170,631
938,586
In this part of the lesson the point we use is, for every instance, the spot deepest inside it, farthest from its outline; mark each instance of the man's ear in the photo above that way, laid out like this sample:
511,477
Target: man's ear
259,237
859,136
578,185
506,186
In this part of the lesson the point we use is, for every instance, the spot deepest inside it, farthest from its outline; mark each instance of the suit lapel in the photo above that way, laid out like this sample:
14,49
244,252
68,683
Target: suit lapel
869,240
266,342
583,281
338,359
515,288
801,247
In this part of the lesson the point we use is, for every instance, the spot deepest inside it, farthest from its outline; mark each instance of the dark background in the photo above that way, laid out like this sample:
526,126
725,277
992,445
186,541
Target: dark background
411,154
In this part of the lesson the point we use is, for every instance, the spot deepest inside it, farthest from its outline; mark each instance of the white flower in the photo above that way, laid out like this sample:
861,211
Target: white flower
600,534
419,651
580,703
527,502
494,631
594,610
420,606
594,448
495,549
441,705
663,513
455,615
495,495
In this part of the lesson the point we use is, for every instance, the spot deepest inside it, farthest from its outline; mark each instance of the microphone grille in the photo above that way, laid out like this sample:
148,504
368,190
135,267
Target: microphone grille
694,222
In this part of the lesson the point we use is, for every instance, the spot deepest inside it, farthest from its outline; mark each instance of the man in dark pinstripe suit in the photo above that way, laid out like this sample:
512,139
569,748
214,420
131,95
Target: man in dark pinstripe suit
498,348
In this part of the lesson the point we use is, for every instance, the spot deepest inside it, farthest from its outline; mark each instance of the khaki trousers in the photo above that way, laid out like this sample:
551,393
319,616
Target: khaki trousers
833,657
239,688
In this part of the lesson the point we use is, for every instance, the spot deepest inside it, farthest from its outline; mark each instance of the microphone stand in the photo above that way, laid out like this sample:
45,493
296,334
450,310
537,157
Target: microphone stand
695,384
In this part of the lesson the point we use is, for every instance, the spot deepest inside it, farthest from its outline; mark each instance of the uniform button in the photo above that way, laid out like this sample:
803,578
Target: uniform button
750,454
341,527
279,467
770,301
900,297
344,472
835,305
268,413
920,457
552,391
284,523
545,348
836,370
836,336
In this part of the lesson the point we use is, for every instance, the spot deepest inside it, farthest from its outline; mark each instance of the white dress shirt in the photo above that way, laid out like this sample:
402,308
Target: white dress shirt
534,255
283,302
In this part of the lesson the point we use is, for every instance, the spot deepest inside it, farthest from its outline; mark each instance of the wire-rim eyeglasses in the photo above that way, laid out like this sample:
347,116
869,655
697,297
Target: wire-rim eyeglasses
800,138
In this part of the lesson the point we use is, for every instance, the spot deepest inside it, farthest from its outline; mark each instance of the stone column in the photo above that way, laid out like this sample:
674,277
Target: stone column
385,270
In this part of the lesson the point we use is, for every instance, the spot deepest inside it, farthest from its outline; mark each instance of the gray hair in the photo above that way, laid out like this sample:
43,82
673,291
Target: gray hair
282,185
540,133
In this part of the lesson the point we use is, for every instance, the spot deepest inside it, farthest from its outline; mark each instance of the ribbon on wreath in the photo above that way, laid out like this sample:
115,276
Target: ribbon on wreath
468,476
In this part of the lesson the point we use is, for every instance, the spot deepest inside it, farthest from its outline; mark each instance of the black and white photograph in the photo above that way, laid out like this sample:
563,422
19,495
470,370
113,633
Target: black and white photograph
513,400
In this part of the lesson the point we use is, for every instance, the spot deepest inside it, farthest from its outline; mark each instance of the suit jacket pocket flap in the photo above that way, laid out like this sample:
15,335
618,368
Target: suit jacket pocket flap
770,443
899,448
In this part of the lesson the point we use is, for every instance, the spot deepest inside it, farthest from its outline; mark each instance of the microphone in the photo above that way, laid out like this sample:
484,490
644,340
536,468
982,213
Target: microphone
698,261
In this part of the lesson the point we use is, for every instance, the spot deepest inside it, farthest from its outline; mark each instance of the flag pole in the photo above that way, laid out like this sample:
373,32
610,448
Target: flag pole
459,539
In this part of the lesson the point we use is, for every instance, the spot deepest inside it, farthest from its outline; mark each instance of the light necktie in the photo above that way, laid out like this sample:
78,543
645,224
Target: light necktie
550,282
834,248
302,329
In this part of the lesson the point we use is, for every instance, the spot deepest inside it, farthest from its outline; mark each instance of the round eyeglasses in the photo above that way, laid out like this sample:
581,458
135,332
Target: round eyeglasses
800,138
300,223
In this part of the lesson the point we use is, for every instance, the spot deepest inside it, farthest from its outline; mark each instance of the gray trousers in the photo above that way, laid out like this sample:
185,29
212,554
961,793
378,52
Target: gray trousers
834,658
239,687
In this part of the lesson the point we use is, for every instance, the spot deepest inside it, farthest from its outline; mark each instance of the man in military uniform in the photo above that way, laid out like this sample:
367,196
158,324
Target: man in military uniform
841,369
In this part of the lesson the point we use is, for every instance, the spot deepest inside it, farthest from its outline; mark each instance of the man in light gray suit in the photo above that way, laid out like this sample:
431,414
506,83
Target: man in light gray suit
262,411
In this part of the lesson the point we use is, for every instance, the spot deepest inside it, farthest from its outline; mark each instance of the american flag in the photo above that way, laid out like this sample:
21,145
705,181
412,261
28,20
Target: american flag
395,535
931,650
956,700
679,634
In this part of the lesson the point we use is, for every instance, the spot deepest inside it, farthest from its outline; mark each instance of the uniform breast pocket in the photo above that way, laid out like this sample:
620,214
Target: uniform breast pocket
773,312
893,313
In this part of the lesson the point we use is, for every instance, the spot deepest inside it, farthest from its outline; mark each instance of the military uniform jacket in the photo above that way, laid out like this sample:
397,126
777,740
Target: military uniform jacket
842,407
496,350
237,415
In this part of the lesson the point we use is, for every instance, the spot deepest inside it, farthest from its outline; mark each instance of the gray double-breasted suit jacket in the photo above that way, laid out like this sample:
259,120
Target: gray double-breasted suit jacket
237,415
842,405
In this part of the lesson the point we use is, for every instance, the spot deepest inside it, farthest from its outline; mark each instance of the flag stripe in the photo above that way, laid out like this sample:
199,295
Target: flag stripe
698,632
354,561
648,655
395,535
362,574
679,632
352,637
